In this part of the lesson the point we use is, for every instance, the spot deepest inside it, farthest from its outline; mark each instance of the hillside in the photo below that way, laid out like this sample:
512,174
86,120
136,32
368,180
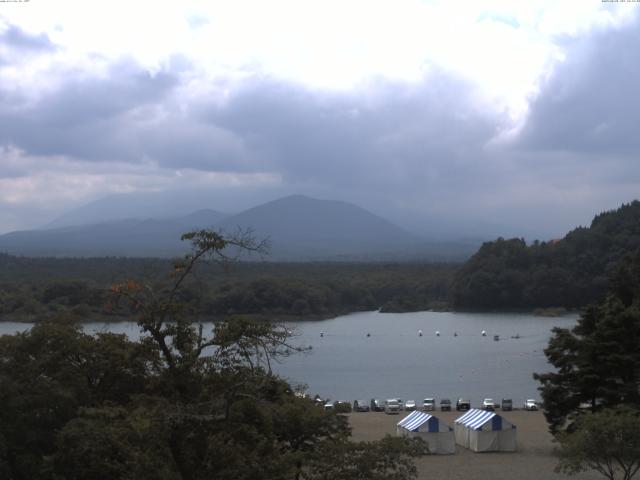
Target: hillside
300,227
571,272
130,237
141,205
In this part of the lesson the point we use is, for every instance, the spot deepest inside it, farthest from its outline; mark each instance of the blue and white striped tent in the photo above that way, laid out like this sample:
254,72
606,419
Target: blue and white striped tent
485,431
437,434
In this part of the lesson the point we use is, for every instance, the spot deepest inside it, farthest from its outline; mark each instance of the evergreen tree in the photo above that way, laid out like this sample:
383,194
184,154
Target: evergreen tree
598,361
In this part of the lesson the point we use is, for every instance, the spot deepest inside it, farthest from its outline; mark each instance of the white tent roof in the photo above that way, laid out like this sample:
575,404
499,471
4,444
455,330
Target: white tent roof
414,421
475,419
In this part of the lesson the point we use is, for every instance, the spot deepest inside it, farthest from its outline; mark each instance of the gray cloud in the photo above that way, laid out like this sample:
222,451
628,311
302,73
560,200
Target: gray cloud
414,152
580,144
591,102
386,134
17,39
16,44
87,118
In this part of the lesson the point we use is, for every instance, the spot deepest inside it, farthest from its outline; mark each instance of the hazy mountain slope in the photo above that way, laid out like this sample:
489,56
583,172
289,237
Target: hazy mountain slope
159,205
130,237
298,228
302,227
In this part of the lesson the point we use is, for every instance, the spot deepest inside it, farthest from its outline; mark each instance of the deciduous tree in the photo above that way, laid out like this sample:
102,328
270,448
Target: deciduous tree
607,442
180,403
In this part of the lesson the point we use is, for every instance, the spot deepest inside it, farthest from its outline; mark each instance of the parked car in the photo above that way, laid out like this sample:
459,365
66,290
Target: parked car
429,404
361,406
392,406
410,405
342,407
445,405
506,404
488,404
462,405
530,404
377,405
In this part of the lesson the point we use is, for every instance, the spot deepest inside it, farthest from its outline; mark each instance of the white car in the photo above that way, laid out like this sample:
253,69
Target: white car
429,404
530,404
410,405
488,404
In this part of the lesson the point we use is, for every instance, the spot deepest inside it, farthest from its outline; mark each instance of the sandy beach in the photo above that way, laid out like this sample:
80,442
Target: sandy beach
534,459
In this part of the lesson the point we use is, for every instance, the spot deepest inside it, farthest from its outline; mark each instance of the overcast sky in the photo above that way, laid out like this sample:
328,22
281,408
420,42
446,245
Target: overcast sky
522,116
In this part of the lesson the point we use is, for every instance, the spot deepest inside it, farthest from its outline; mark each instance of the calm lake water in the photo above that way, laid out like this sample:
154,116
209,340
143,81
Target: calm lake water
394,361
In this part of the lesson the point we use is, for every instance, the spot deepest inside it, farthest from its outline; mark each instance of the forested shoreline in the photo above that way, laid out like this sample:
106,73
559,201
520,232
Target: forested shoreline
32,289
504,275
570,272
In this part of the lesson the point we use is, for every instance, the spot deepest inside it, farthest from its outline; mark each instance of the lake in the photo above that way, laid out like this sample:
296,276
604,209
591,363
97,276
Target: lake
394,361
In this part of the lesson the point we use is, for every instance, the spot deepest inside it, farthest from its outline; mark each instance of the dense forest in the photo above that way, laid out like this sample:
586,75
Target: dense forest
32,289
571,272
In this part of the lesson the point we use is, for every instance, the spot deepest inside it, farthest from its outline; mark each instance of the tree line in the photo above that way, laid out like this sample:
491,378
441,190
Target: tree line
34,289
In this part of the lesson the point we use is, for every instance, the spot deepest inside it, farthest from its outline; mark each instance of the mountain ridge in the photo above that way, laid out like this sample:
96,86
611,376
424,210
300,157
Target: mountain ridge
300,228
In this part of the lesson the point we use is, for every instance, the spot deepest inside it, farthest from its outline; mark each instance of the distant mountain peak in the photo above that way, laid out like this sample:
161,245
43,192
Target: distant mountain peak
298,228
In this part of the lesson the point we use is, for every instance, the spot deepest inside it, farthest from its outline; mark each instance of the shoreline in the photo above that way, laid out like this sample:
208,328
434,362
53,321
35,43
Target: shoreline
295,318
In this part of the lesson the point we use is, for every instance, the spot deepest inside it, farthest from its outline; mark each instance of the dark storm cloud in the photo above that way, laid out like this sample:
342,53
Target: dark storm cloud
591,103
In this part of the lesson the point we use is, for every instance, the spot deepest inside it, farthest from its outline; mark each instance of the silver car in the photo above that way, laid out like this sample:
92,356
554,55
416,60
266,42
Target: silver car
392,406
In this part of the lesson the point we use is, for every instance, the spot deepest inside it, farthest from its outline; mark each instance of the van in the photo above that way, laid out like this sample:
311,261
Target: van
506,405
